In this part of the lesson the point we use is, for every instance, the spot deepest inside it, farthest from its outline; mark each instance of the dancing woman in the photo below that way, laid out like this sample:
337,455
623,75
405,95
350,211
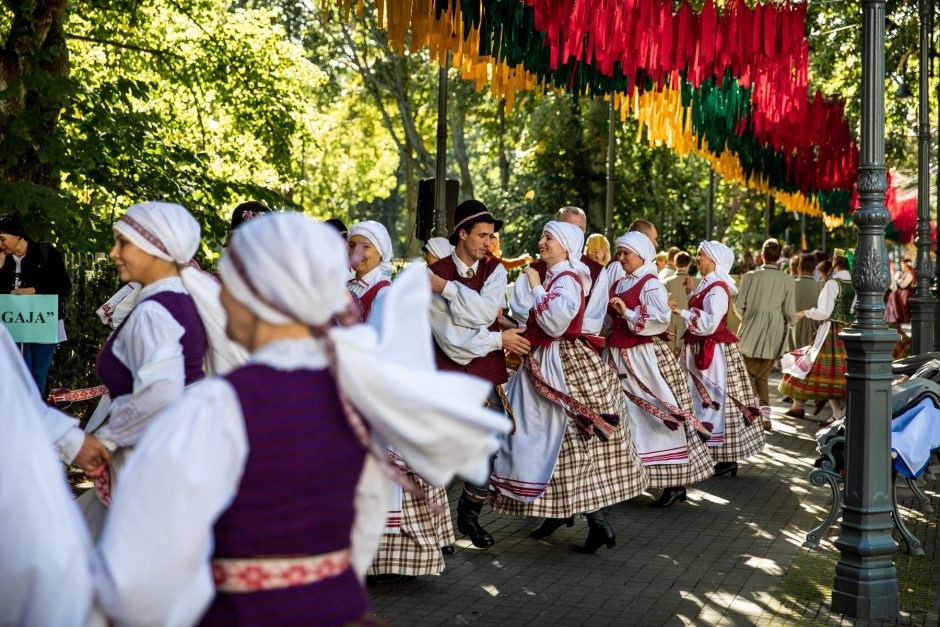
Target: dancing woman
370,255
721,391
570,452
669,438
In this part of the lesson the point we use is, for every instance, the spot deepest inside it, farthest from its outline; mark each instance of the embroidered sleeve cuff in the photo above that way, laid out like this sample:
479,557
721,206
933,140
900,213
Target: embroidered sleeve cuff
640,316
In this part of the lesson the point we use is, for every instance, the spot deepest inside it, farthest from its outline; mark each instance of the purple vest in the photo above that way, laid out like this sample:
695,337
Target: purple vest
120,380
296,497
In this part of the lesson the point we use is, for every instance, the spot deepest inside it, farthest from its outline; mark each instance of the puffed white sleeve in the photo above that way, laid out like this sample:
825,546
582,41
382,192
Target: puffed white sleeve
825,303
470,308
555,309
653,315
149,345
152,565
705,321
461,343
521,298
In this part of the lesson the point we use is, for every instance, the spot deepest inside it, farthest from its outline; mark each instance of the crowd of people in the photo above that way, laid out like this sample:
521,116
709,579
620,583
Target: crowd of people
278,432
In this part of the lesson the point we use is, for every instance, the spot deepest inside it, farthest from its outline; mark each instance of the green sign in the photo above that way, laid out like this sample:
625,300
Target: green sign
32,318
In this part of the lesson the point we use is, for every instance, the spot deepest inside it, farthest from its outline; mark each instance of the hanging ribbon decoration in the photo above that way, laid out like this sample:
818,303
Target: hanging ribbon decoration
731,87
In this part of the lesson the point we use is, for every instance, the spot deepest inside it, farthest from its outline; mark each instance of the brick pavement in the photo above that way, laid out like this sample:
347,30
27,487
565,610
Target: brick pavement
716,559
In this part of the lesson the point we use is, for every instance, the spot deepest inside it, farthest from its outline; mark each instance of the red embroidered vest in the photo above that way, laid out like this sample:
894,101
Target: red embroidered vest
537,335
622,336
491,366
722,334
366,300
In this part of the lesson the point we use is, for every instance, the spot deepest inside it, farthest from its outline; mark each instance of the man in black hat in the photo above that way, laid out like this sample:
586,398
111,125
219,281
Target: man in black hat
470,288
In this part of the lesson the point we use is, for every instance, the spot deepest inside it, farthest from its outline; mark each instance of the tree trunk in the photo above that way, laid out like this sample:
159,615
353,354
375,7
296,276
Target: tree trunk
503,159
34,70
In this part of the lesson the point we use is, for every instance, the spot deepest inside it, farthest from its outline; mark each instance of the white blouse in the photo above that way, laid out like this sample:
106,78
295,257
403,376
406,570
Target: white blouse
460,316
827,297
705,321
653,315
554,309
149,346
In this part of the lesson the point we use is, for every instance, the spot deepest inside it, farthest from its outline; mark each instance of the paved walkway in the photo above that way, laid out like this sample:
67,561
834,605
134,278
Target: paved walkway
729,556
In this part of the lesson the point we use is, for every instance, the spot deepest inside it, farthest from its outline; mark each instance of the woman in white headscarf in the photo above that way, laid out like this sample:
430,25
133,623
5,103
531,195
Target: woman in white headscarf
416,529
571,451
270,454
174,335
437,248
721,390
669,438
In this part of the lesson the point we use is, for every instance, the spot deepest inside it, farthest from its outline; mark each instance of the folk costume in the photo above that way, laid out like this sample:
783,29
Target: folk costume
721,392
259,536
805,296
171,338
45,548
369,288
669,438
571,451
825,378
765,303
415,528
467,339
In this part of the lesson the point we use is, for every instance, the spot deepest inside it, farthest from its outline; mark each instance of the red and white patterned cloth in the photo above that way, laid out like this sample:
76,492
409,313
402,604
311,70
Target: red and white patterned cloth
251,575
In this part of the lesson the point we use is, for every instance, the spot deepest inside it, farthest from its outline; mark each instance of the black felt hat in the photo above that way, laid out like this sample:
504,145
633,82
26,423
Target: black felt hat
468,213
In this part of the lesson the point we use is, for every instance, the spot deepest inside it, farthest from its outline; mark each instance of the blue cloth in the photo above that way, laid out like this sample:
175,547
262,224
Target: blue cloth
38,358
915,437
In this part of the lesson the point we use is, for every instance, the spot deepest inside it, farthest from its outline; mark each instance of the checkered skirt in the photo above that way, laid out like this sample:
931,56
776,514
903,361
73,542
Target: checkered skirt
742,440
416,549
826,378
700,464
593,474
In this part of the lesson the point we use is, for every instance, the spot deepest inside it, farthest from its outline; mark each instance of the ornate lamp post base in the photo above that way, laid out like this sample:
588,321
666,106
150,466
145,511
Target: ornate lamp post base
865,585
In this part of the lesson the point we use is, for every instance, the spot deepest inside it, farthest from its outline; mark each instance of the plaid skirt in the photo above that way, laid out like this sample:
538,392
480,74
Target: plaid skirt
416,549
742,440
826,378
589,474
700,464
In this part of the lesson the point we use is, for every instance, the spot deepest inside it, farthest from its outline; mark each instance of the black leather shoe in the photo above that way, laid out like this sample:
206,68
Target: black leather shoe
387,578
670,496
549,526
726,468
447,549
468,513
600,533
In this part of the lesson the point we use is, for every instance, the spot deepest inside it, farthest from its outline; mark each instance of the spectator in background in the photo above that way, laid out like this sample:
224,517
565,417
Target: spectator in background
676,286
670,268
806,296
823,268
785,255
598,249
794,269
29,267
904,278
660,261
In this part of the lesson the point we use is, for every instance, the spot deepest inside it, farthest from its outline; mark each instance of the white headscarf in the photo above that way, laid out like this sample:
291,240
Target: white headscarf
169,232
724,259
572,240
376,233
642,246
440,247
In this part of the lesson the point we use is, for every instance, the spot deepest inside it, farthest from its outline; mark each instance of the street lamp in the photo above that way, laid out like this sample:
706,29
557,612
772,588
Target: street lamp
866,585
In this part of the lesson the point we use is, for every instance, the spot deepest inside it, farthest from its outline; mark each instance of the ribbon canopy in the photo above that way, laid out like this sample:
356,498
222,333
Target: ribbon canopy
729,85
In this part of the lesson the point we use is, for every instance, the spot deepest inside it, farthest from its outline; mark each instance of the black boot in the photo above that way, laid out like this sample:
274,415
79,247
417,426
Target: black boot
549,526
599,533
468,524
670,496
726,468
